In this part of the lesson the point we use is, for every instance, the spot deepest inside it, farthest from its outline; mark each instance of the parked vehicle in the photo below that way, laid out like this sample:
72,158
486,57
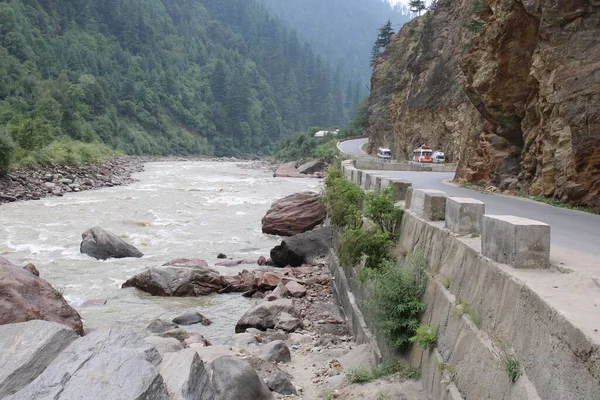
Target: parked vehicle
439,157
423,154
384,153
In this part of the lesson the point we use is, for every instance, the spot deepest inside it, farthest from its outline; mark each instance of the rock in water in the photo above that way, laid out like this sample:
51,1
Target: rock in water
288,170
281,384
306,248
235,379
186,377
187,262
276,351
26,349
161,326
102,244
190,318
109,363
311,167
176,281
265,315
293,214
27,297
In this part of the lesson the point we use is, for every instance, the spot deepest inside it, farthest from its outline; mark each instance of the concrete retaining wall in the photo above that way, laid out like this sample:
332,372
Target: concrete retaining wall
375,164
484,313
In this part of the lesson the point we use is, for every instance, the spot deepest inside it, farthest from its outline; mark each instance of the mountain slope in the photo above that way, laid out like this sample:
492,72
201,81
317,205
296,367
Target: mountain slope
159,76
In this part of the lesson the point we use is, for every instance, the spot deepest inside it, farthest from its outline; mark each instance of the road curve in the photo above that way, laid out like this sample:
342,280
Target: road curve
353,147
573,230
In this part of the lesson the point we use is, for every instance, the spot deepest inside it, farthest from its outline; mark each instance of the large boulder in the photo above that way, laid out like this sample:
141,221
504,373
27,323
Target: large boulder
287,170
176,281
109,363
191,318
277,351
186,377
26,349
265,315
26,297
293,214
235,379
312,167
280,383
102,244
305,248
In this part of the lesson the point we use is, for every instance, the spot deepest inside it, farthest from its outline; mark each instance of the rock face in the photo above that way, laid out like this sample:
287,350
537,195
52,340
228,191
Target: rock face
27,297
235,379
265,315
508,89
109,363
176,281
26,349
312,167
306,248
293,214
101,244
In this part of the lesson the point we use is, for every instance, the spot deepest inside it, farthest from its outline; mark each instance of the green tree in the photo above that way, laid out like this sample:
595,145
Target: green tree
417,6
383,39
7,150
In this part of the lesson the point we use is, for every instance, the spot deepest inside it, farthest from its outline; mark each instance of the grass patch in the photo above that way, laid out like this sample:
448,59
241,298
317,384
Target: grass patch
394,299
475,235
512,366
58,291
329,396
450,370
364,375
445,281
553,201
463,308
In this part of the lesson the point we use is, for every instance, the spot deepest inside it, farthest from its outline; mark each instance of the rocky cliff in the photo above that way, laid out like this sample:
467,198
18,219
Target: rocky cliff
508,89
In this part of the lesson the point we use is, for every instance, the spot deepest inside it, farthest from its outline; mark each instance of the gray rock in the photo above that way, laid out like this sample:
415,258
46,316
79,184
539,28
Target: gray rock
190,318
281,291
243,340
312,166
102,244
275,351
26,349
110,363
280,383
176,281
287,322
235,379
186,377
165,345
161,326
305,248
265,315
362,356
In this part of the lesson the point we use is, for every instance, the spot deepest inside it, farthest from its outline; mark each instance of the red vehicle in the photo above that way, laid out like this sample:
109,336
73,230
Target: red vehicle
423,154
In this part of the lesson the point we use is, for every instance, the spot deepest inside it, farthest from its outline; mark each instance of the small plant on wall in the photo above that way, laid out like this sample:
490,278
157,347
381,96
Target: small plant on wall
425,336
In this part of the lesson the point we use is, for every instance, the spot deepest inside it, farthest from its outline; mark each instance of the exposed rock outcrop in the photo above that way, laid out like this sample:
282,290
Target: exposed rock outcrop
27,297
312,167
26,349
102,244
109,363
293,214
506,88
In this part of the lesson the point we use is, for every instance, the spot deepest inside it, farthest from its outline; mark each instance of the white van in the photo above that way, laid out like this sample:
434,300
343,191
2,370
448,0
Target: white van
384,153
439,157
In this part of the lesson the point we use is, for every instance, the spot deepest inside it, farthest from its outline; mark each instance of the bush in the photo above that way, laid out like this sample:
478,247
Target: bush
7,151
394,303
364,375
66,152
425,336
372,244
342,199
380,209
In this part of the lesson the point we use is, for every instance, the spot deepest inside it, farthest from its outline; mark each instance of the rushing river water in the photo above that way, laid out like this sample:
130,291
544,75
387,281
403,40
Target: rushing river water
176,209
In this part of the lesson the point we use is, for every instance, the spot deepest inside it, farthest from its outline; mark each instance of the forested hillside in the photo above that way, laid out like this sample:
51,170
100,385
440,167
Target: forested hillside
159,76
343,29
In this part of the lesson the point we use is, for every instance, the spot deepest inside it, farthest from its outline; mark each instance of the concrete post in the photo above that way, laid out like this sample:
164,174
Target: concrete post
358,177
409,193
368,180
464,215
429,204
401,187
520,242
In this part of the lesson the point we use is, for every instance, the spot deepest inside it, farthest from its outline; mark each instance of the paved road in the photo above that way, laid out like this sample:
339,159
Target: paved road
573,230
353,147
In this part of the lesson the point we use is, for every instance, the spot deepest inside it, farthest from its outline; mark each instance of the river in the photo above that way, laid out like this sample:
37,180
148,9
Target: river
175,209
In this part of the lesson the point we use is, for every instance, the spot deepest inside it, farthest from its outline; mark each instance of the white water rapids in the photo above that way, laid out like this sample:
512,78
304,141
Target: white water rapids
176,209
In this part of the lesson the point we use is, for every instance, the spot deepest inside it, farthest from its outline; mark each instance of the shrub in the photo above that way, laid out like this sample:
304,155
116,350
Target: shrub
371,244
342,199
380,209
364,375
65,152
394,302
425,336
7,151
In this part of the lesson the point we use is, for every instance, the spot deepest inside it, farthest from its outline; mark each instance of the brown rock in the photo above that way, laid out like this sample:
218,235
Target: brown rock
297,213
27,297
312,167
296,289
261,261
288,170
267,281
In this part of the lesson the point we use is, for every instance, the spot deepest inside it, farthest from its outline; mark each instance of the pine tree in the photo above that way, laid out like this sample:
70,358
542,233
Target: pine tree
383,39
417,6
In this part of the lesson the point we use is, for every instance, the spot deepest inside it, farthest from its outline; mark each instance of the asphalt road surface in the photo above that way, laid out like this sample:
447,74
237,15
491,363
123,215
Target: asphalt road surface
574,230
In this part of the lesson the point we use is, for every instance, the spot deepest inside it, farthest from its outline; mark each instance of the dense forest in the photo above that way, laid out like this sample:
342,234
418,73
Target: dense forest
343,29
160,77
